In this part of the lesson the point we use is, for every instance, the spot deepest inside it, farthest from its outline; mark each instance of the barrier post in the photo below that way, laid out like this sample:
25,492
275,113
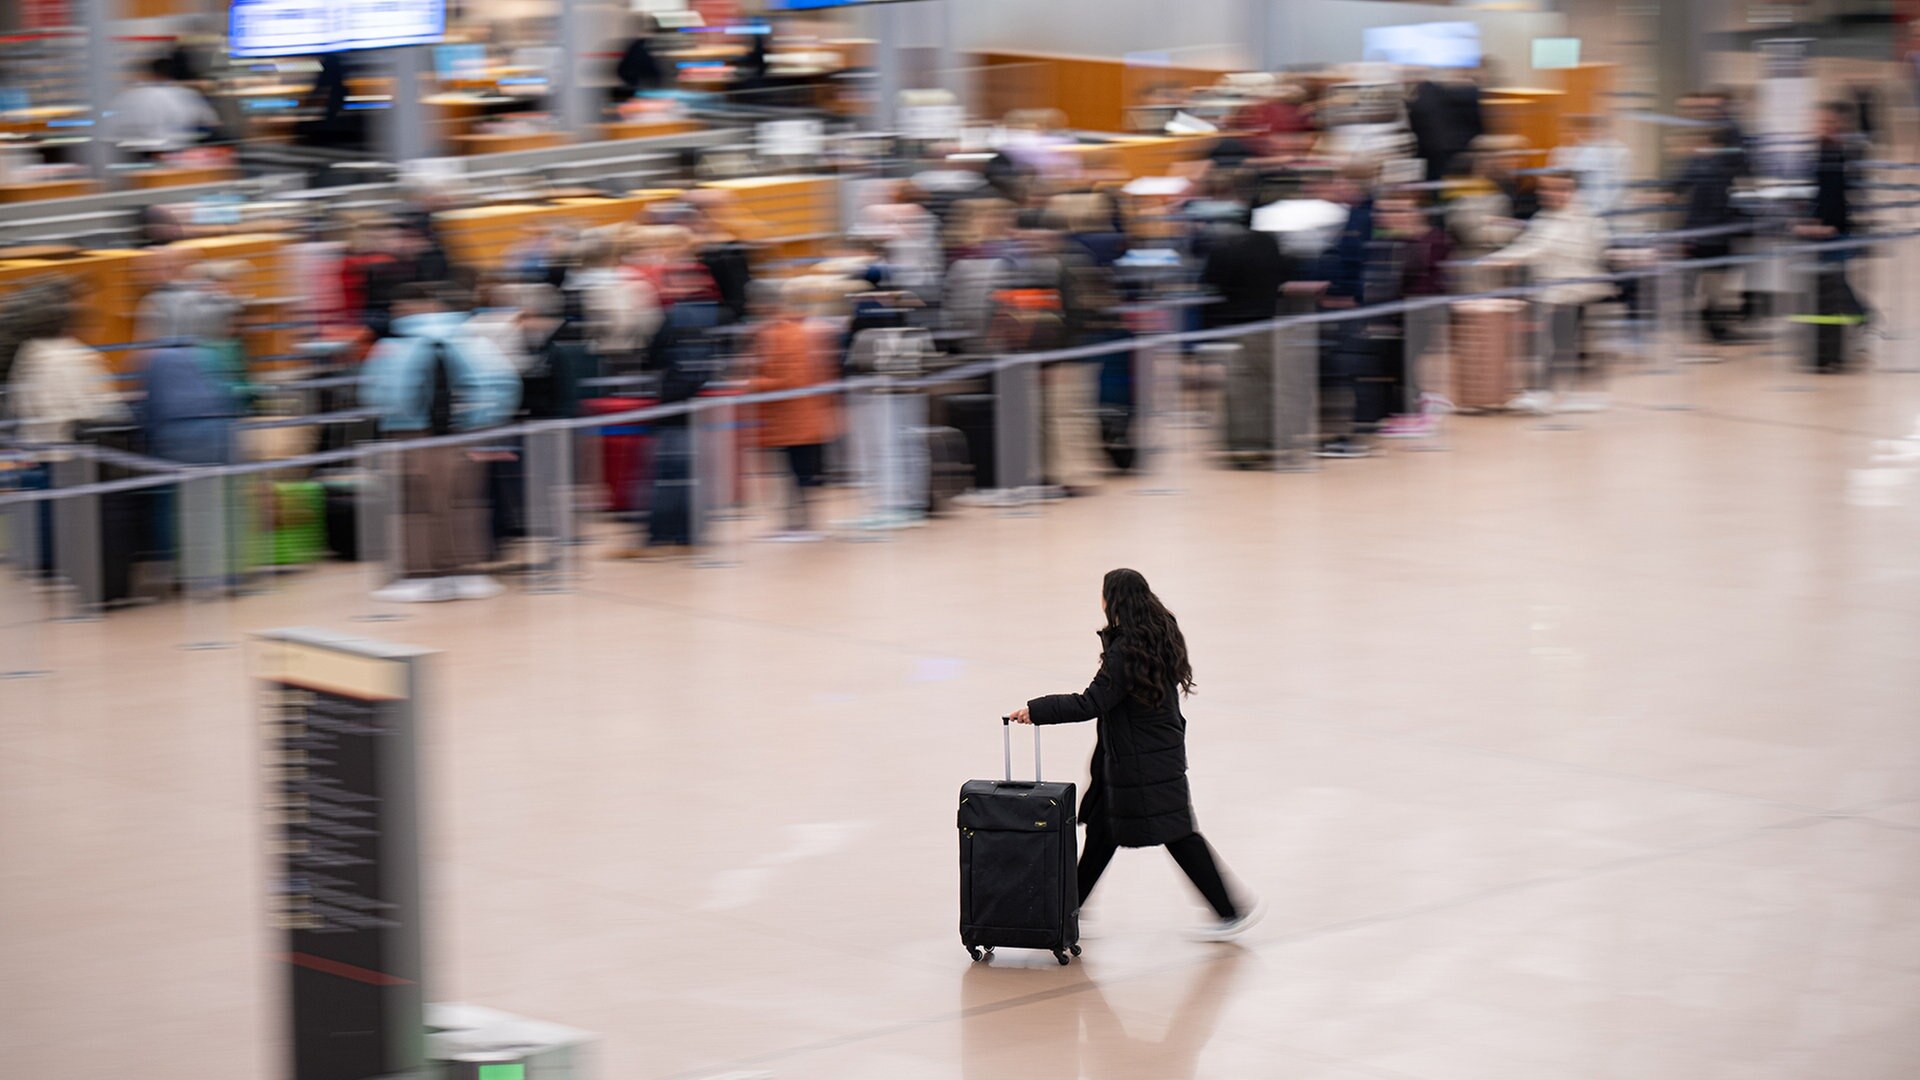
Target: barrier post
1429,344
1295,366
1671,327
546,475
76,540
1016,419
25,658
207,563
1552,325
1894,320
1157,408
713,468
1797,337
1214,363
376,526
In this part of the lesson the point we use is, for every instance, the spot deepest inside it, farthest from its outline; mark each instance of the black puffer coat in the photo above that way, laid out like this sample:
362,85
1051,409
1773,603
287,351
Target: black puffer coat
1140,763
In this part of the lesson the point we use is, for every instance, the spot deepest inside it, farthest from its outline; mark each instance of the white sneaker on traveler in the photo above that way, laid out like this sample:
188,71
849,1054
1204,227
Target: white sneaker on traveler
418,590
475,587
1537,402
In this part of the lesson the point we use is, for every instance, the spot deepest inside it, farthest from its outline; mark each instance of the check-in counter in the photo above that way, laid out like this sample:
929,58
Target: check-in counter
38,190
648,129
482,235
482,143
110,291
790,216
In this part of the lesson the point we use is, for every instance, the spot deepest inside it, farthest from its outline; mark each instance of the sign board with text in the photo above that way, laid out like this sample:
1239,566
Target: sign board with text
339,717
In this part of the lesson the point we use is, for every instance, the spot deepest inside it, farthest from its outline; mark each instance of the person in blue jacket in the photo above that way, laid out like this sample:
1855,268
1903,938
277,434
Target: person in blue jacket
433,377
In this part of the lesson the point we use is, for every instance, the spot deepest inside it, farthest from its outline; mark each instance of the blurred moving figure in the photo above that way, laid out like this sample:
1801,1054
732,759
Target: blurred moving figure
1713,162
795,354
1139,796
157,114
618,312
1837,308
59,386
1563,242
1598,161
195,390
1446,118
638,70
433,378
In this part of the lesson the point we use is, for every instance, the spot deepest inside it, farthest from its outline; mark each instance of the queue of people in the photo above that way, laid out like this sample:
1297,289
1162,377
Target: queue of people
1018,253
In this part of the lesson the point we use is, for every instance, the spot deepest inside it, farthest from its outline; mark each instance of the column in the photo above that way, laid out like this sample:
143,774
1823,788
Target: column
573,104
404,135
103,76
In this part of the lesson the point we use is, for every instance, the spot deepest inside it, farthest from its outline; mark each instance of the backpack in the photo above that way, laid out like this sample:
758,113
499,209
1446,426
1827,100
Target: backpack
440,403
686,350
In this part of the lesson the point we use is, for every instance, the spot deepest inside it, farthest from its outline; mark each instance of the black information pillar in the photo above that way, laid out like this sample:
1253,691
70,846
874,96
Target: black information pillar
343,806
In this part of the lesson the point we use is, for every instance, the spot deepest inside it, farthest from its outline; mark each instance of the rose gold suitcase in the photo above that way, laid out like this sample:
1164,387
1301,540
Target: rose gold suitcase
1485,333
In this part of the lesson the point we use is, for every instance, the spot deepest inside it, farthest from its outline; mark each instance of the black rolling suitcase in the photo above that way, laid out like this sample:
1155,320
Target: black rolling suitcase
1018,848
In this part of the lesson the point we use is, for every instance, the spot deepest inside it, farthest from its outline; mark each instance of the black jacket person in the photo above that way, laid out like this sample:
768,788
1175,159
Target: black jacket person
1139,796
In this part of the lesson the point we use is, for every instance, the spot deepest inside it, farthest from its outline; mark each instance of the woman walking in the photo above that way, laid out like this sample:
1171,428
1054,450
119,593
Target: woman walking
1139,795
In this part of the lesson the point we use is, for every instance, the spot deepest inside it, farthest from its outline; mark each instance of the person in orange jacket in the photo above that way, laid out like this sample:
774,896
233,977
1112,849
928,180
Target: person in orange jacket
794,354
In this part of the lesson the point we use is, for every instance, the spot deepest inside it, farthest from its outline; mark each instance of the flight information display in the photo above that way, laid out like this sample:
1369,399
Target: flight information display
305,27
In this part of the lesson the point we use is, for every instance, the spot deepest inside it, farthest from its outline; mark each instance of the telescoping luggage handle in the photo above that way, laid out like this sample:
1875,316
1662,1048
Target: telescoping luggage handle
1006,741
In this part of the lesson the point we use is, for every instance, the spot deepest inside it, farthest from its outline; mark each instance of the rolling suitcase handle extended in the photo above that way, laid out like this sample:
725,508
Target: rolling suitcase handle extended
1006,741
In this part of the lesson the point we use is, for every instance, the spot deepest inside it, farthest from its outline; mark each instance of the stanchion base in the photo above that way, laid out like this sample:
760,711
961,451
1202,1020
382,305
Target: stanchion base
1557,425
1160,491
23,674
1427,448
377,616
205,646
713,562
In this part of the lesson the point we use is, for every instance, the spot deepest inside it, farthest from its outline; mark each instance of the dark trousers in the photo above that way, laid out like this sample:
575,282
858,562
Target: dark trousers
805,463
1190,851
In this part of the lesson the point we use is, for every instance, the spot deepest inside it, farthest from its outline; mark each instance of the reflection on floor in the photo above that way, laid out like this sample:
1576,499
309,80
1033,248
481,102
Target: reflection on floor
1565,754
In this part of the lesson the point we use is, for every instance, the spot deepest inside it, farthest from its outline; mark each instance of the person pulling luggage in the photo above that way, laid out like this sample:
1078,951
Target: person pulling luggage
1139,796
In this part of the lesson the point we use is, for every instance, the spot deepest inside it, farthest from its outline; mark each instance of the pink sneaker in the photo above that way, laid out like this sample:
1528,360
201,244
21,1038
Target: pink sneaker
1407,427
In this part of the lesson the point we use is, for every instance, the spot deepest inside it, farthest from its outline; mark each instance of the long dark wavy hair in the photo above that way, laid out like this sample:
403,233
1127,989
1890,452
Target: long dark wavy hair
1146,638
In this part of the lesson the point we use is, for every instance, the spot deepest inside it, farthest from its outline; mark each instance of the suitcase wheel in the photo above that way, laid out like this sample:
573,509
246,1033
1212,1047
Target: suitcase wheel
980,954
1060,956
1074,949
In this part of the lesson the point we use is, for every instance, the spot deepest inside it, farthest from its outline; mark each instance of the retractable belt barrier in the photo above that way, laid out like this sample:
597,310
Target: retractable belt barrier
965,371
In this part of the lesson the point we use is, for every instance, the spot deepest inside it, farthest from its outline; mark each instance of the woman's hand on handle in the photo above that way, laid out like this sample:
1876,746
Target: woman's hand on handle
1020,716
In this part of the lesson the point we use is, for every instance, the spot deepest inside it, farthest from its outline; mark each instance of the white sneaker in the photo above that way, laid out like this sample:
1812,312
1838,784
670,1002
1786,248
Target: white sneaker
412,591
1537,402
1228,929
475,587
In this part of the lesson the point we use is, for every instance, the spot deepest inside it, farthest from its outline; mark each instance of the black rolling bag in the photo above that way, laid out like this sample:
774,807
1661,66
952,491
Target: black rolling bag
1018,848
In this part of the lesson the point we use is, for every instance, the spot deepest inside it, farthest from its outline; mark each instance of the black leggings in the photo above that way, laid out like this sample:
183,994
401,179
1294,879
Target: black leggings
1190,851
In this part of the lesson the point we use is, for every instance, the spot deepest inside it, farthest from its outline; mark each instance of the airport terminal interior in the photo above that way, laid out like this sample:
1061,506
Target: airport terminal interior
523,522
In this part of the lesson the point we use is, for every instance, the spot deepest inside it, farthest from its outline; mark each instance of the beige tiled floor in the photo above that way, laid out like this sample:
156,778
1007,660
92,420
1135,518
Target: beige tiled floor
1582,754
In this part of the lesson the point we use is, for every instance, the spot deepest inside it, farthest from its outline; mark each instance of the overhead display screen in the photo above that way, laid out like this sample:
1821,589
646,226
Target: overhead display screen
305,27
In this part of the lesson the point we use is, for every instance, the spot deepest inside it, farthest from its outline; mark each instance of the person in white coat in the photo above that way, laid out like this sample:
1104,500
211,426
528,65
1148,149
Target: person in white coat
1564,246
59,385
